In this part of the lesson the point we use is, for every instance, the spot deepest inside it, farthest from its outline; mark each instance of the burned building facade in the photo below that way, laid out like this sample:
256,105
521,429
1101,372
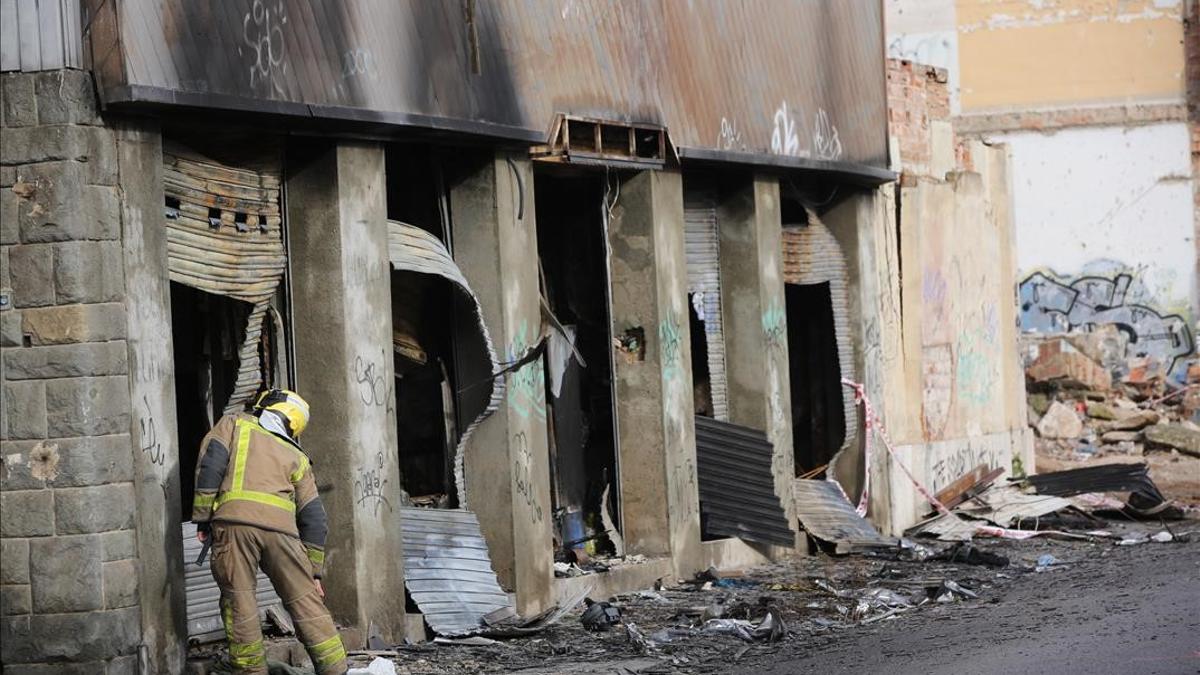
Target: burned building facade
552,275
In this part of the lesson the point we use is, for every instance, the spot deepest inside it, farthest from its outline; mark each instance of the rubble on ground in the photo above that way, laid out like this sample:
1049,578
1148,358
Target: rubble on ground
1090,403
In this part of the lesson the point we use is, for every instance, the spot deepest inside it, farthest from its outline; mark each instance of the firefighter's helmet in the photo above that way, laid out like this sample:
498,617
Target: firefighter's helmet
289,405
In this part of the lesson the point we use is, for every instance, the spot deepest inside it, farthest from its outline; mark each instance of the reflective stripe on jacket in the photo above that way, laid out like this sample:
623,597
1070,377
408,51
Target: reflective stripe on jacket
247,474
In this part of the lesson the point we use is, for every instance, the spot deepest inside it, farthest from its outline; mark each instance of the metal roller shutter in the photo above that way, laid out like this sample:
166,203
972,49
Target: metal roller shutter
203,610
224,236
702,245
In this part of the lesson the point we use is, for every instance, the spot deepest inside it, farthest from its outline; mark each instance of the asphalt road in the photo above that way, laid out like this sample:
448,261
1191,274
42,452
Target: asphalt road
1109,610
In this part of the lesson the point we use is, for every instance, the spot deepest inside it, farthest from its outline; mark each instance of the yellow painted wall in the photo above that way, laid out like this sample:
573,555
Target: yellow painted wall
1021,54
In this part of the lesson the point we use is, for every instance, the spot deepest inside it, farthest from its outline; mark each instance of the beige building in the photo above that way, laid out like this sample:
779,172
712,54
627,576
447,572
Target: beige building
1092,98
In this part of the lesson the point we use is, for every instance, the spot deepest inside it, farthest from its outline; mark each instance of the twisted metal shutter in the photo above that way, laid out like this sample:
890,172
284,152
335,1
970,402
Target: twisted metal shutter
412,249
203,609
736,483
703,248
447,569
224,236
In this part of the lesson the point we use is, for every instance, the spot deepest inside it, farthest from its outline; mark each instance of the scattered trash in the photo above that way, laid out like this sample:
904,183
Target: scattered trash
951,591
473,641
971,555
1045,562
1162,537
378,666
599,615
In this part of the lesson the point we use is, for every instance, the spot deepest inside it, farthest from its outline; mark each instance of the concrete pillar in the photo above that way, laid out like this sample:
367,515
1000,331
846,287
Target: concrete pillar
152,392
756,344
507,461
656,427
865,227
341,294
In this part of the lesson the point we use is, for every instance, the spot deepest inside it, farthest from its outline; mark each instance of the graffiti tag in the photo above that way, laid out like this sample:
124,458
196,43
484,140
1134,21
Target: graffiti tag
523,475
151,447
1049,305
369,485
373,386
669,345
262,31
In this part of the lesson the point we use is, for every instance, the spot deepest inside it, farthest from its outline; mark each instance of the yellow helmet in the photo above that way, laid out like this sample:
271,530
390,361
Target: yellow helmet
289,405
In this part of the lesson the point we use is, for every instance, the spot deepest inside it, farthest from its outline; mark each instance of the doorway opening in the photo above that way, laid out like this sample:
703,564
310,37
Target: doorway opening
815,374
426,313
585,484
702,389
207,331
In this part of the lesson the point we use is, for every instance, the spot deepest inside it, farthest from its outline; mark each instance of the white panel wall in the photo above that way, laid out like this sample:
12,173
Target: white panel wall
1121,194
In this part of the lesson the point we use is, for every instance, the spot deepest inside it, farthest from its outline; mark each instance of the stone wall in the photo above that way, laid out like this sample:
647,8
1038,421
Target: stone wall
69,570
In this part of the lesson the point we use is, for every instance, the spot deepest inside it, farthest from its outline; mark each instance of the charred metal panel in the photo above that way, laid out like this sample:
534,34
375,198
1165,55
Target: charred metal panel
827,514
447,570
794,83
737,487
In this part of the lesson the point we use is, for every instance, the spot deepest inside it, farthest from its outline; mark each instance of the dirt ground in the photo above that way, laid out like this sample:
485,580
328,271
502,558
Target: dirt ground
1132,602
1107,609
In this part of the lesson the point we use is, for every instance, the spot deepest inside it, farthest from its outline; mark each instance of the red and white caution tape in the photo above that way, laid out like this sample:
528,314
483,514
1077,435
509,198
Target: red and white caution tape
873,424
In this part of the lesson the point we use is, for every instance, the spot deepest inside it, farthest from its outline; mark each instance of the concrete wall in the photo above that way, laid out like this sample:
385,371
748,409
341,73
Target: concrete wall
933,302
69,568
1030,54
341,287
507,462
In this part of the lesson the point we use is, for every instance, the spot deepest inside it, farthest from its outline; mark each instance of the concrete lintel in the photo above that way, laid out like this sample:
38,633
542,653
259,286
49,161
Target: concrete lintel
337,230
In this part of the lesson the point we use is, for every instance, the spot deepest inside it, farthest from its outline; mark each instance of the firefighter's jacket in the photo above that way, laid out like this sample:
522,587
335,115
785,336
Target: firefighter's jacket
247,474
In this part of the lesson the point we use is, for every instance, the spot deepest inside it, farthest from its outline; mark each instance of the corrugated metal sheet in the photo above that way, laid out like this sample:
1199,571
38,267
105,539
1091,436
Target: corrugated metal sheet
40,35
812,255
827,514
414,250
203,610
447,569
737,487
785,82
224,237
703,245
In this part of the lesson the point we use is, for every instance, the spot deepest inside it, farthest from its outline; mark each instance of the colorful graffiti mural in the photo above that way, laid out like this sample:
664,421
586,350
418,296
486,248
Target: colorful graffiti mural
1050,305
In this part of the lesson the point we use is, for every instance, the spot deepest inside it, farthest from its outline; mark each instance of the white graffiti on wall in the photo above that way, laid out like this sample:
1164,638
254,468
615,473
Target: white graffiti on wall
784,140
1049,305
824,140
826,144
262,32
730,138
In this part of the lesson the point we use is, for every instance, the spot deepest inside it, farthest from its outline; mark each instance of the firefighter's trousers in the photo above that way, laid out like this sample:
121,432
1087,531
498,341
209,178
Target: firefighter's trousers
237,552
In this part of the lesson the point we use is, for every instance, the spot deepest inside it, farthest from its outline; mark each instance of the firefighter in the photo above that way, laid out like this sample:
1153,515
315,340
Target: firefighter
257,505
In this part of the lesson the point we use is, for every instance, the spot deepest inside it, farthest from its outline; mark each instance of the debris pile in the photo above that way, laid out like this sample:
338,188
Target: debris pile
1083,402
1088,404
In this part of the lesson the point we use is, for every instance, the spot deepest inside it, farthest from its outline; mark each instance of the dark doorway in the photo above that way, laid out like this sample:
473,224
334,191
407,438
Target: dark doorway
579,394
426,427
702,397
818,418
426,313
207,331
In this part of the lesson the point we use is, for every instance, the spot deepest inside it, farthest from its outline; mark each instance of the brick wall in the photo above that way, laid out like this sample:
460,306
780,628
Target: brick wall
918,111
68,573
